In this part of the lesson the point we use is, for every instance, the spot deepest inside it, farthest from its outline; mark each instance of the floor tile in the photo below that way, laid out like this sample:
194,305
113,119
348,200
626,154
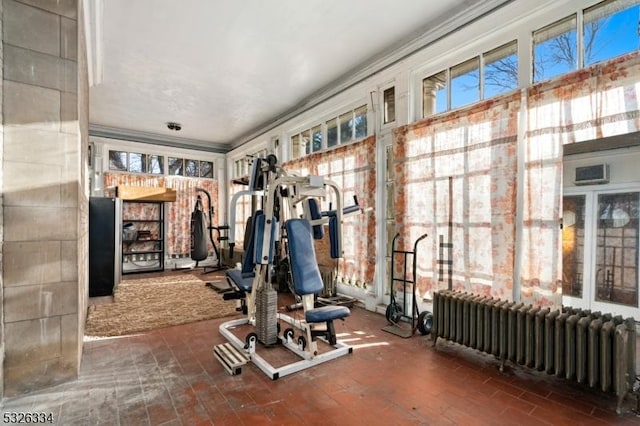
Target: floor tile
170,377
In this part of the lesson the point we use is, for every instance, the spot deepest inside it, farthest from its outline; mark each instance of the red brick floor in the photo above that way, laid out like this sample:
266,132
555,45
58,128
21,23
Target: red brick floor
170,377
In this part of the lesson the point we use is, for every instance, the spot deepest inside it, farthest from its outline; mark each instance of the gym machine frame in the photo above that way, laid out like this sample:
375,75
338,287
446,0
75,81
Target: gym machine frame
278,188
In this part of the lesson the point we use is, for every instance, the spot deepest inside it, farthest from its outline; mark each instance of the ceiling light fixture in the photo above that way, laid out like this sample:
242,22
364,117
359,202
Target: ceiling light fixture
174,126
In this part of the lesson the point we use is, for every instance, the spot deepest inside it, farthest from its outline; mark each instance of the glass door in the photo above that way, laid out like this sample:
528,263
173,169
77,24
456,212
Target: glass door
616,253
574,219
600,251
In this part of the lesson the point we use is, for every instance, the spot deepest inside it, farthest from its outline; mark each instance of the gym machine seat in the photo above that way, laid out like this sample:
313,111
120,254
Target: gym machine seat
307,280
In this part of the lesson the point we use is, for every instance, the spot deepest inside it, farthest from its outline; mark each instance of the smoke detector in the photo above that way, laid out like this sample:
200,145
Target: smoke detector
174,126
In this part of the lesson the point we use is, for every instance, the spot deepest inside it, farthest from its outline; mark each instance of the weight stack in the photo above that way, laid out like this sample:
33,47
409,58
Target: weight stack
267,315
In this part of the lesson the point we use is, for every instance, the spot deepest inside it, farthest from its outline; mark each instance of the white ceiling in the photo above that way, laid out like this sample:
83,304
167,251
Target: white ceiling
225,68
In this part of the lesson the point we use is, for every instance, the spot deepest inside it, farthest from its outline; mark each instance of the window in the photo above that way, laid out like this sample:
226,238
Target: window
191,168
296,152
133,162
500,70
156,165
339,130
332,132
176,166
465,83
360,122
136,162
306,141
389,105
243,165
118,161
301,144
434,92
206,169
610,29
316,138
346,127
554,49
460,85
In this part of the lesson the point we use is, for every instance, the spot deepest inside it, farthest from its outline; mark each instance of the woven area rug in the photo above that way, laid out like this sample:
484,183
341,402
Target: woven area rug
148,303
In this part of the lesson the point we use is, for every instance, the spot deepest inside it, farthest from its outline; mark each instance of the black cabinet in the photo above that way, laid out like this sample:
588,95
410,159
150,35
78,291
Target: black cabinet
142,236
104,245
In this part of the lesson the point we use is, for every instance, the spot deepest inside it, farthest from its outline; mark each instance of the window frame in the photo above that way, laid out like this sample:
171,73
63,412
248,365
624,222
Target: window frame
324,126
163,161
447,73
385,121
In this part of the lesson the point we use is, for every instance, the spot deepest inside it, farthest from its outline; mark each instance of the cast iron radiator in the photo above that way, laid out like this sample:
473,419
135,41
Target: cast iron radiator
588,347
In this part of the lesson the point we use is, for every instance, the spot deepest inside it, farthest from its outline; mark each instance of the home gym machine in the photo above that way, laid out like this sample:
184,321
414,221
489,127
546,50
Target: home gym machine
279,231
408,311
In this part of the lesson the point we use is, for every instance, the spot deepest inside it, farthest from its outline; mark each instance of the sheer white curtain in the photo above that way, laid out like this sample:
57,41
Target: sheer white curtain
456,181
353,168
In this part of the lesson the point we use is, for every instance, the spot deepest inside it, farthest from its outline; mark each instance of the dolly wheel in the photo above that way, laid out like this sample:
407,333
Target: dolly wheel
425,322
393,313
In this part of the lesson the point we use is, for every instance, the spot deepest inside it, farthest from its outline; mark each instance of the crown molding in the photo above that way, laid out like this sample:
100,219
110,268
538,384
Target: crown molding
156,139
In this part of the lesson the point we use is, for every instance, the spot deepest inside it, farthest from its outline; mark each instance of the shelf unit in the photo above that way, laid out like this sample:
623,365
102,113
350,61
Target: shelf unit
142,236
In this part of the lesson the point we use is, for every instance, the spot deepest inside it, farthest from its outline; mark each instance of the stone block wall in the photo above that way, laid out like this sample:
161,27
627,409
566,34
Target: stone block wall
43,195
82,244
1,220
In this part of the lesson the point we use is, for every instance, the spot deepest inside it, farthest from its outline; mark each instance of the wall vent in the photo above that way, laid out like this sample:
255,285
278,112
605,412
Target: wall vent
592,175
